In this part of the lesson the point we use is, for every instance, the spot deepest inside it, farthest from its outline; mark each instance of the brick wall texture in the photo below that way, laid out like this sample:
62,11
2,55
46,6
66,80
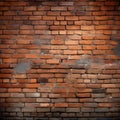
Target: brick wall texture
59,59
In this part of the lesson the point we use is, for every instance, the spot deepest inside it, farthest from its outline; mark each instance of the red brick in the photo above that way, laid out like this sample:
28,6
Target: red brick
57,42
26,90
108,86
61,104
24,32
73,27
71,42
26,27
41,27
14,90
87,27
9,32
72,18
75,105
90,105
28,109
60,18
101,17
105,105
49,18
32,85
43,100
72,52
103,27
35,18
30,8
53,61
57,27
31,55
58,8
83,95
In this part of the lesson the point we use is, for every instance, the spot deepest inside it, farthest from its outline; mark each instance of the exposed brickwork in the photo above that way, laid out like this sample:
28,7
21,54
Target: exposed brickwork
59,60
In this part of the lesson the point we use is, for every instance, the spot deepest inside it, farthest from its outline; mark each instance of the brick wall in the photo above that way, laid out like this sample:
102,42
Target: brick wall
60,59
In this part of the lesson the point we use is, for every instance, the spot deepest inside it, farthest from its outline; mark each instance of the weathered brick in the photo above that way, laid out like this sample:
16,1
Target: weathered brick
42,100
73,110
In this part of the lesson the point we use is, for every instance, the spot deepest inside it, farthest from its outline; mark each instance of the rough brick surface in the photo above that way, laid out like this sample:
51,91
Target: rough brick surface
59,60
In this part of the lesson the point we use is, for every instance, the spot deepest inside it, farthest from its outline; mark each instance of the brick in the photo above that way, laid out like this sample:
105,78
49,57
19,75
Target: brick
60,18
57,27
73,27
49,18
35,18
87,109
90,105
4,95
87,27
101,17
28,90
58,8
72,52
73,110
83,95
43,100
14,90
32,94
74,47
75,105
71,42
27,32
43,110
19,95
105,105
53,61
57,42
30,8
102,27
72,18
72,100
28,109
101,110
100,95
26,27
61,105
108,85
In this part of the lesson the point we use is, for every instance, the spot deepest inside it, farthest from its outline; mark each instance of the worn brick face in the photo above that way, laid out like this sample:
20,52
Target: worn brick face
59,60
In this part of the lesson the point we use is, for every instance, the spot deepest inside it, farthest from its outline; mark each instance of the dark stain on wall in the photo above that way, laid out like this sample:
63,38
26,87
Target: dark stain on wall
22,67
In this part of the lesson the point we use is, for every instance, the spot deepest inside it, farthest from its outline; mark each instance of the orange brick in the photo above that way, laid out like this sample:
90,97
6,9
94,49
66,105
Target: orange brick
70,52
26,27
71,42
83,95
49,18
30,8
14,90
31,55
101,17
58,8
57,42
61,104
73,27
53,61
108,86
72,18
57,27
27,32
87,27
35,18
